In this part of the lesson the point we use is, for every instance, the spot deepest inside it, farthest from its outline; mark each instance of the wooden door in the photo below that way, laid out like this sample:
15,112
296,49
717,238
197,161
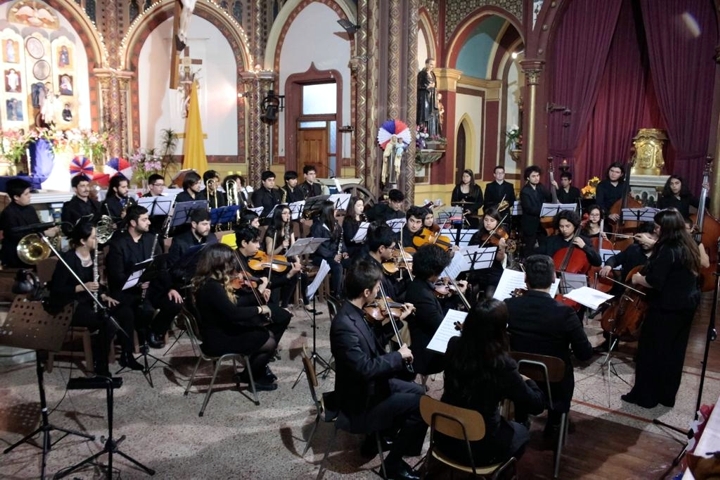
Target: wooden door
313,150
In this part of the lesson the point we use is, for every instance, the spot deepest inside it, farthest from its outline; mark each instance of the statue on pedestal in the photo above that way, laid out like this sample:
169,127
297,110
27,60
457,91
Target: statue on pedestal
427,105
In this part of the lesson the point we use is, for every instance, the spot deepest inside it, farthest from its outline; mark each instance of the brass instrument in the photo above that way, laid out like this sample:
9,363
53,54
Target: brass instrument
32,249
212,188
103,231
233,196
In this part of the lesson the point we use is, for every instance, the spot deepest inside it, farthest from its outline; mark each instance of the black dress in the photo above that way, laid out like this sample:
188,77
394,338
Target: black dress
681,204
487,276
665,331
474,196
606,194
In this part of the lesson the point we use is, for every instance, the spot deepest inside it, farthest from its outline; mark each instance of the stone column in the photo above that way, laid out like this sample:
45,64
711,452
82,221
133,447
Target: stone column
395,35
266,80
371,117
359,69
532,70
411,98
252,87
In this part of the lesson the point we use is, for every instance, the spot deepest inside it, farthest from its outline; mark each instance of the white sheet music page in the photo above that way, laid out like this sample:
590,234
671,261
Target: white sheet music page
313,287
447,330
589,297
512,279
361,234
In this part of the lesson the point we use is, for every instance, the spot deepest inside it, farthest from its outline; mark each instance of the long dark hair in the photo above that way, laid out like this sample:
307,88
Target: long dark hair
673,234
684,189
217,262
327,214
277,226
474,363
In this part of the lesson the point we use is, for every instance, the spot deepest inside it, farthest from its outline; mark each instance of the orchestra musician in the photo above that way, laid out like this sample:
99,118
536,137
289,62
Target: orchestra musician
182,259
499,190
413,226
468,191
671,277
156,187
64,289
429,221
79,205
381,246
325,225
211,192
532,196
704,258
566,224
249,219
479,375
310,187
635,255
594,226
611,189
267,196
18,213
489,277
428,263
552,333
677,195
117,201
191,188
351,225
391,209
293,193
233,323
367,391
566,192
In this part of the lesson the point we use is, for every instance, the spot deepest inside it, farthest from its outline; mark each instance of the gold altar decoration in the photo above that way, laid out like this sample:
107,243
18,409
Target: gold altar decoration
648,152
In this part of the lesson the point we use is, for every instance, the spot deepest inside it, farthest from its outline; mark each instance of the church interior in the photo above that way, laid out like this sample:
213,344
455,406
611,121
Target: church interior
569,86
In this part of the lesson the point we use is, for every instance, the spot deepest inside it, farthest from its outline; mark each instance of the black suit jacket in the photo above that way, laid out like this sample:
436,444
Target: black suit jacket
429,314
311,190
531,200
540,324
362,367
15,216
571,196
221,198
181,263
494,193
262,197
122,256
74,209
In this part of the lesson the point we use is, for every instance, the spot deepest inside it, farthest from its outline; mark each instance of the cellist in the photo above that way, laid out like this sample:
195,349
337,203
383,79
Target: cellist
566,224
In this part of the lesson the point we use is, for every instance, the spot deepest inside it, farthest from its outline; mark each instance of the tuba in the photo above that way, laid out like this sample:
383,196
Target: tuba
32,249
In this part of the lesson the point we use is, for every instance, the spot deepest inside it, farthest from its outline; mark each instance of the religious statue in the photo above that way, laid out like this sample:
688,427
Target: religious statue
392,159
441,114
47,108
187,10
427,109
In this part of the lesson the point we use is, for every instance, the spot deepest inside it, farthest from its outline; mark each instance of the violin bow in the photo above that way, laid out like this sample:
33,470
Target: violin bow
408,365
258,296
492,232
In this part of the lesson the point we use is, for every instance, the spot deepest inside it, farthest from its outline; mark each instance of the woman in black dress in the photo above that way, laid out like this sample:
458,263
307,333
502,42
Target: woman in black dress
468,191
671,277
354,217
478,376
677,195
227,324
488,277
325,225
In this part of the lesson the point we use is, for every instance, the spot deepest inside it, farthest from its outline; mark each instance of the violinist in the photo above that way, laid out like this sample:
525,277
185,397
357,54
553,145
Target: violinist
368,393
248,245
381,249
428,264
491,234
429,222
499,190
567,193
351,225
391,209
532,196
468,191
566,223
677,195
235,323
633,256
333,251
611,189
593,227
413,226
671,275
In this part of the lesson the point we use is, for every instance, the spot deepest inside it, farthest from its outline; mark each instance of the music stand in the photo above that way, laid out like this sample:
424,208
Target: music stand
361,233
552,209
29,326
397,224
257,210
645,214
296,209
223,215
313,204
483,257
342,200
463,238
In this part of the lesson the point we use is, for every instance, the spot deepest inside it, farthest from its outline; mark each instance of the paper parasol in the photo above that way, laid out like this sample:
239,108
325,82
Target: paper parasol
82,166
102,179
390,128
119,166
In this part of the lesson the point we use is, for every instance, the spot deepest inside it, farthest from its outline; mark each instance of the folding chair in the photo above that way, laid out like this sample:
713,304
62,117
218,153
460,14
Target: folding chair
547,369
461,424
194,334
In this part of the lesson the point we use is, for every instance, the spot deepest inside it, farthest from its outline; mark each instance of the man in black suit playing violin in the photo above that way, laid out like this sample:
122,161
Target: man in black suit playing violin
413,225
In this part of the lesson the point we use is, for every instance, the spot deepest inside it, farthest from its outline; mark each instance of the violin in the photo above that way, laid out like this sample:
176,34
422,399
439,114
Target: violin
242,282
401,260
426,236
377,310
494,237
261,261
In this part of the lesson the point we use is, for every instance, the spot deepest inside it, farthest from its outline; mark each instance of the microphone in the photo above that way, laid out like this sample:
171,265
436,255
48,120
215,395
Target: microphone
34,228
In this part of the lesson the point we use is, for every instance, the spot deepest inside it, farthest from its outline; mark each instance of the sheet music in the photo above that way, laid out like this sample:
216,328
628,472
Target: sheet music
296,209
589,297
157,205
447,330
133,279
512,279
552,209
341,200
304,245
313,287
516,210
605,254
257,210
462,260
397,224
466,234
361,234
572,281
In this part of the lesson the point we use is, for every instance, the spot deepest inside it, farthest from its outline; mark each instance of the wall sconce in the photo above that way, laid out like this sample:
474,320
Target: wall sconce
349,27
346,129
271,106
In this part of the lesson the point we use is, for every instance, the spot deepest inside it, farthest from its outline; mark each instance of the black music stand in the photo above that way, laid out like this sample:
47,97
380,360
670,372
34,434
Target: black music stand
29,326
645,214
296,209
224,215
313,204
341,200
552,209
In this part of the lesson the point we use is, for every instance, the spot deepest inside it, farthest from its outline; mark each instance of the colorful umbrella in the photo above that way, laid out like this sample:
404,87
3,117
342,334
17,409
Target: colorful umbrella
119,166
102,179
82,166
390,128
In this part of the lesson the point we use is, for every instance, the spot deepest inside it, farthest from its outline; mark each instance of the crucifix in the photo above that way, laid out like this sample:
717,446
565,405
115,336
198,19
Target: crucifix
182,12
187,76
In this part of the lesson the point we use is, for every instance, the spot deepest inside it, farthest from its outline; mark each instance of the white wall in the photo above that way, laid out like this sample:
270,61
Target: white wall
160,107
513,112
313,37
423,52
472,107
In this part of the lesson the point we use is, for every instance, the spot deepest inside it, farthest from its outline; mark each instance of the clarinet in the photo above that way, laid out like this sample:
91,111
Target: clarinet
152,254
340,239
96,276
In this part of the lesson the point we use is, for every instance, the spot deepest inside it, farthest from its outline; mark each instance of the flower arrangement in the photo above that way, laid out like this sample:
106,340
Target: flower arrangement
588,190
74,141
423,140
145,162
514,138
13,145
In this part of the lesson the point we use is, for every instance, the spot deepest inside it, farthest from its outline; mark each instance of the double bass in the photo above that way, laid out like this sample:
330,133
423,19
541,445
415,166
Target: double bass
706,232
627,201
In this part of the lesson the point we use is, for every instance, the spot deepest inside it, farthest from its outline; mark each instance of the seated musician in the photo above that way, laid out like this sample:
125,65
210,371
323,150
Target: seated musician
594,226
325,225
156,185
18,213
128,248
540,324
479,375
292,192
64,289
381,247
310,187
489,277
117,200
429,221
366,388
677,195
566,224
355,216
212,192
79,205
249,219
182,265
413,225
232,322
566,192
191,188
611,189
391,209
267,196
428,263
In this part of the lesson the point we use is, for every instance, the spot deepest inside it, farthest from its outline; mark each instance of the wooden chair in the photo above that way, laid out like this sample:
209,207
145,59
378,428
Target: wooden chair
73,334
546,369
46,268
193,332
461,424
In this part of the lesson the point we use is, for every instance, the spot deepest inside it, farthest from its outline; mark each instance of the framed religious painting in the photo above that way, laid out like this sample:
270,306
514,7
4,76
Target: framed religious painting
13,81
64,57
10,50
65,82
41,70
34,47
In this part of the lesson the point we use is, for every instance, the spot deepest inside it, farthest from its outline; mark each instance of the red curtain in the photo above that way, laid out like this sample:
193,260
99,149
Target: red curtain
681,40
582,43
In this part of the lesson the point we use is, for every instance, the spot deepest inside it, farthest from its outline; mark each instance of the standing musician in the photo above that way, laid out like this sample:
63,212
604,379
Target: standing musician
182,264
293,193
428,263
391,209
468,191
310,187
325,225
211,192
677,195
540,324
367,392
499,190
413,226
611,189
381,247
351,225
566,224
64,289
489,277
232,322
117,201
136,245
566,192
633,256
79,205
19,213
191,188
671,277
267,196
532,196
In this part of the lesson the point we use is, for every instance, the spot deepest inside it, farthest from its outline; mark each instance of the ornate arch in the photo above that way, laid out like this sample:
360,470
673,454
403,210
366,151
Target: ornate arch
467,26
144,25
425,25
470,139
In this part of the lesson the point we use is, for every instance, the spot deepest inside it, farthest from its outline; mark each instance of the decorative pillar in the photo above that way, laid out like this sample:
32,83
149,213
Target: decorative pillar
252,87
446,80
371,117
266,79
393,64
359,68
117,121
532,70
114,92
411,68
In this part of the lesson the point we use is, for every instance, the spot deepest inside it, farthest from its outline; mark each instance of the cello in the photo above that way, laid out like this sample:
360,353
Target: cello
626,313
571,260
547,222
706,232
